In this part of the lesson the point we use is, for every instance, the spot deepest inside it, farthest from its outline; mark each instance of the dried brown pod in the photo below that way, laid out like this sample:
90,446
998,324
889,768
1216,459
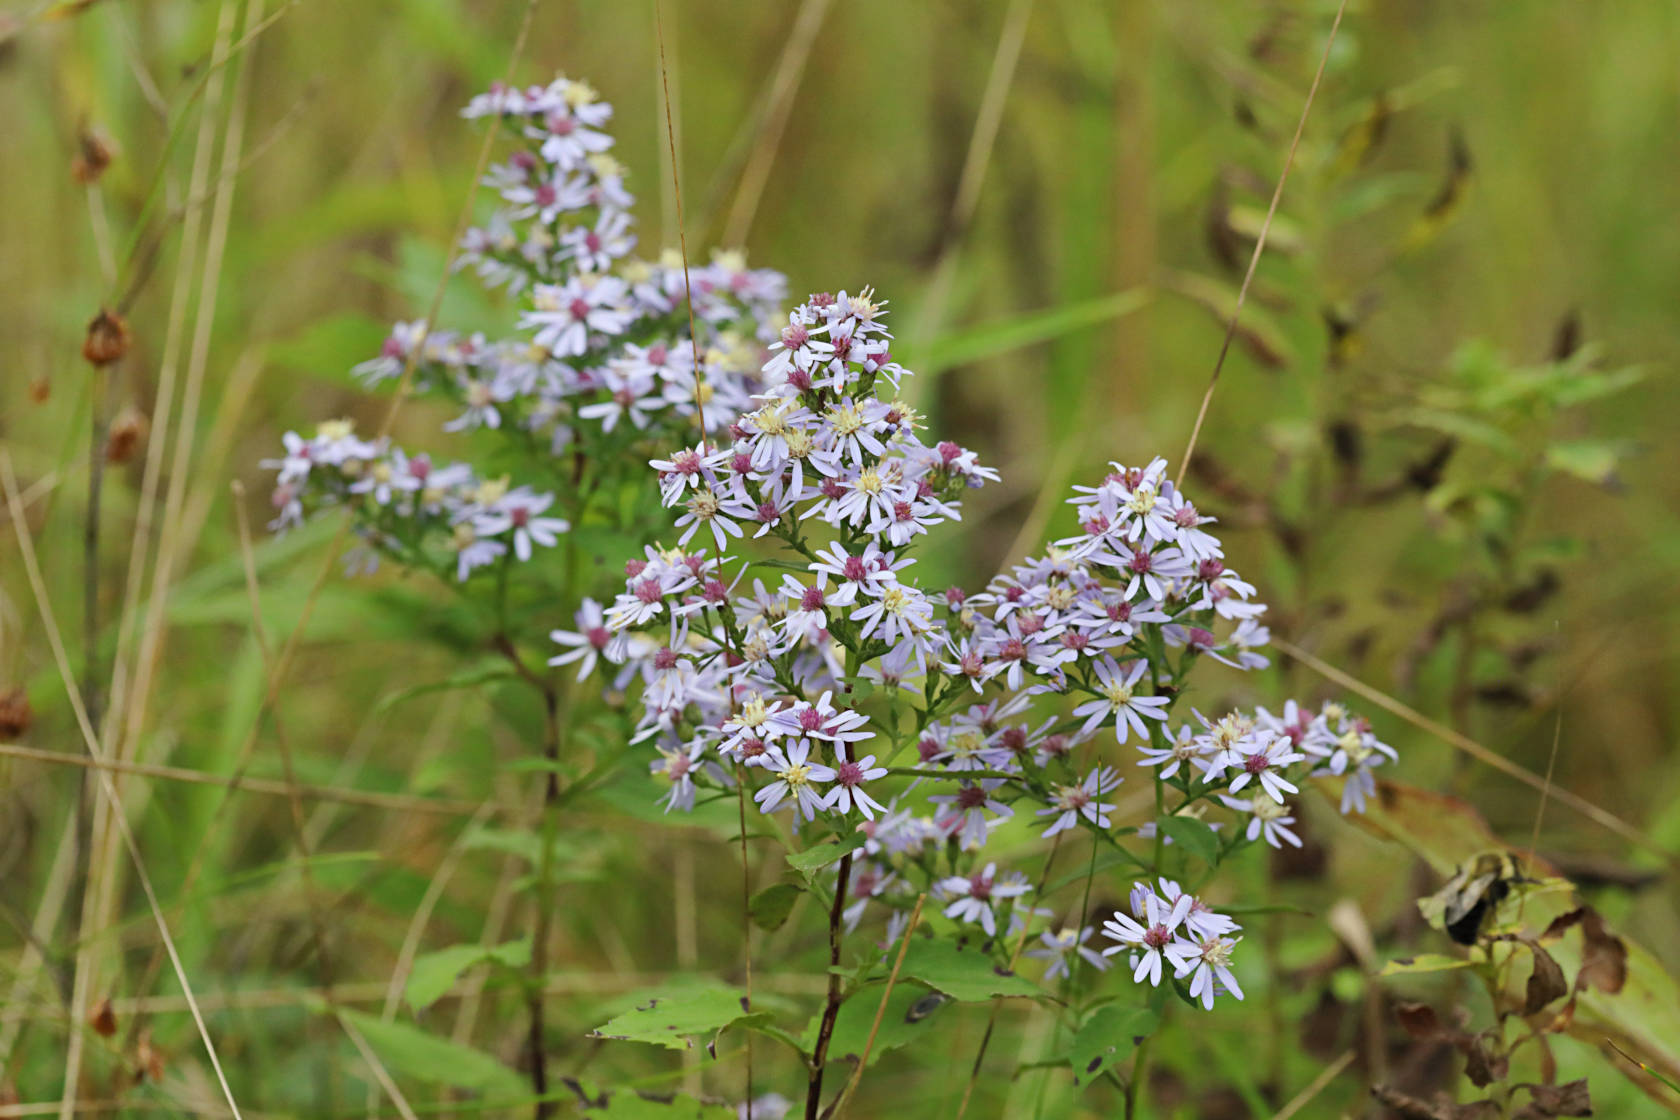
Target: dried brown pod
128,432
148,1058
93,156
103,1019
16,716
107,338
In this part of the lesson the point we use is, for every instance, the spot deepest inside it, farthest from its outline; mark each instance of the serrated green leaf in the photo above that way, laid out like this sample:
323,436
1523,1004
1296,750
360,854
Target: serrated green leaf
1194,836
910,1013
1108,1036
965,974
770,907
433,974
676,1020
407,1050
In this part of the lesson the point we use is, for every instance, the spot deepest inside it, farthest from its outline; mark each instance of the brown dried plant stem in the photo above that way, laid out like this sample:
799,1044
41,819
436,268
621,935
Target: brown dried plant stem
831,1009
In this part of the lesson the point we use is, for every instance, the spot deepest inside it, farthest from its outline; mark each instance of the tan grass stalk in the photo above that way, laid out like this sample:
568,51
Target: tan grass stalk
26,546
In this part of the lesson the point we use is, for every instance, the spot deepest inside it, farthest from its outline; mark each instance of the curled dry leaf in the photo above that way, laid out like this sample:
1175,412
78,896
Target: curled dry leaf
1546,1101
1418,1020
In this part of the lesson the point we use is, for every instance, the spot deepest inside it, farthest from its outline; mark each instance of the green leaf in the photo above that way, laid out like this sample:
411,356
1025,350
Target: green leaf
410,1051
819,856
674,1020
642,1104
971,344
1196,837
910,1013
1108,1036
435,973
965,974
771,906
491,669
1590,460
1424,962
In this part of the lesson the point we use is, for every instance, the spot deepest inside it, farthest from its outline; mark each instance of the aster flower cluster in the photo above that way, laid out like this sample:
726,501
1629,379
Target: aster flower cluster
815,669
605,344
446,518
612,356
1178,931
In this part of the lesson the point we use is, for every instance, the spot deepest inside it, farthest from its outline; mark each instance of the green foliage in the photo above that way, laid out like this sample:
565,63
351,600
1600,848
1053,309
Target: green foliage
1106,1038
679,1018
434,973
413,1052
964,973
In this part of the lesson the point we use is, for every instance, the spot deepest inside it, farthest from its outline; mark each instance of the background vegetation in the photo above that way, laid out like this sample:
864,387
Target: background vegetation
1058,198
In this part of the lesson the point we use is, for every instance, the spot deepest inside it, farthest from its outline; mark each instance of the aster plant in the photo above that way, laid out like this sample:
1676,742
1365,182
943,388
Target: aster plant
921,757
787,655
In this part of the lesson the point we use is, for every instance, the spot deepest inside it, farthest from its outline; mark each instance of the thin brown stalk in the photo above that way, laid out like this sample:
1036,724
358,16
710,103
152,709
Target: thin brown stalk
397,802
103,867
1259,246
37,585
880,1009
682,233
746,909
831,1007
1474,749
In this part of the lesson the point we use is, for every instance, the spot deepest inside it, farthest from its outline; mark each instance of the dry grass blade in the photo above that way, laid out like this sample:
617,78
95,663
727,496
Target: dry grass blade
37,585
789,69
1306,1096
881,1008
1259,246
973,176
380,1073
1474,749
397,802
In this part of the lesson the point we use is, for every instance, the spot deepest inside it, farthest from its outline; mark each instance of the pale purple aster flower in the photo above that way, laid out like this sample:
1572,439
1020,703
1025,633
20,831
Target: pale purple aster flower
1150,937
848,791
520,510
1265,765
1210,960
595,248
564,315
591,640
1059,947
976,893
1201,920
795,777
1082,800
677,767
971,813
1116,697
1267,818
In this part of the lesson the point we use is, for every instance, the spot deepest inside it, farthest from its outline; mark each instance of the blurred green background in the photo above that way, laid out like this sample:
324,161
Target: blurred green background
1057,197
